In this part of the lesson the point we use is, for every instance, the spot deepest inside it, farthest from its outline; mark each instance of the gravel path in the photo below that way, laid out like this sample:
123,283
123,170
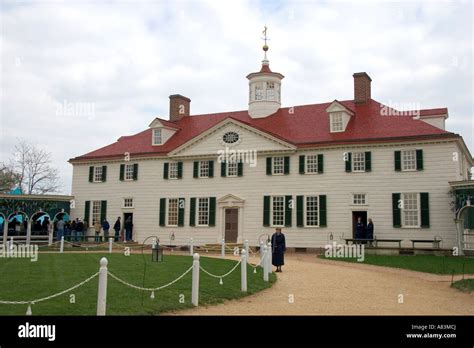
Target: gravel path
324,287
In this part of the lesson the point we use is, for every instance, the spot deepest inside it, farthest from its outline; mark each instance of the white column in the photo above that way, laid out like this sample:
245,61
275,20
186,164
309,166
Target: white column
246,246
5,231
261,250
28,232
102,293
62,245
243,266
110,245
265,263
269,257
223,247
191,246
195,286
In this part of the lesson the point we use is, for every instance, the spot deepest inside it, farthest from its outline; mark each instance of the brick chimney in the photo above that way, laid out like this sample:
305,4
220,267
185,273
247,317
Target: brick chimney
179,107
361,87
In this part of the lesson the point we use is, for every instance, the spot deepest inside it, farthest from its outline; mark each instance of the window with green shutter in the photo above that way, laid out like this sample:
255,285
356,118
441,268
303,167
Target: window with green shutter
266,211
396,211
135,171
320,163
122,172
223,169
368,161
398,161
322,211
425,210
162,211
180,170
196,169
287,165
301,164
211,169
166,169
419,159
91,174
288,210
299,211
103,211
192,212
240,168
212,211
269,166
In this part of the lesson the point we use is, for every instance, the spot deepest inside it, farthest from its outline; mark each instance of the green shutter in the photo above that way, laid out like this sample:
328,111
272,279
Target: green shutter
322,211
196,169
181,204
104,173
103,211
91,174
419,159
368,161
398,161
223,169
122,172
287,165
320,164
211,169
180,170
349,162
302,159
269,166
192,212
212,211
397,214
240,168
87,211
288,210
425,209
162,211
299,211
266,210
135,171
166,169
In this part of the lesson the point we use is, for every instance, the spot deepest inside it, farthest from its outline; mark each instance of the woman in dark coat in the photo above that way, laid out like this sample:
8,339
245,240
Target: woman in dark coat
278,249
369,230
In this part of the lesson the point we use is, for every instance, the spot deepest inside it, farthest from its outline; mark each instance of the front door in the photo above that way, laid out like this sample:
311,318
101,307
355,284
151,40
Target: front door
355,216
231,225
126,216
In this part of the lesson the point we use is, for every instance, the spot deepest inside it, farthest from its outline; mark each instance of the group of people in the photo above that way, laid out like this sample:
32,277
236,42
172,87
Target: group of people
363,231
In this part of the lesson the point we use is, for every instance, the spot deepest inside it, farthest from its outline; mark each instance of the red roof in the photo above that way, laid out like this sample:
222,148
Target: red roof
301,126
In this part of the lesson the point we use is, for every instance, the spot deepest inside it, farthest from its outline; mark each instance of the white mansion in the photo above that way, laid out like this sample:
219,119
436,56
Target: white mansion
310,169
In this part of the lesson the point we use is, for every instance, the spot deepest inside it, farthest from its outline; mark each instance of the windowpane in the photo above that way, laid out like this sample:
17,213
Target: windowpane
312,211
232,168
129,172
358,162
358,199
203,169
128,202
270,91
97,174
258,92
173,170
157,136
96,205
278,210
311,164
173,212
203,211
336,122
409,160
278,165
410,210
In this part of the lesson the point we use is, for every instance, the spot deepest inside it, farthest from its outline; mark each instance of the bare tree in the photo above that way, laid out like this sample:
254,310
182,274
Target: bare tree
33,171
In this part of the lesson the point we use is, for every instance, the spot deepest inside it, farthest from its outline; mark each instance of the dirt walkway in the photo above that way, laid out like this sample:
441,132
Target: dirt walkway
324,287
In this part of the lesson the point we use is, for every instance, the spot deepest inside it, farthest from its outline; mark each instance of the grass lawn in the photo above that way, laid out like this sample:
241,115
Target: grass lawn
22,279
466,285
420,263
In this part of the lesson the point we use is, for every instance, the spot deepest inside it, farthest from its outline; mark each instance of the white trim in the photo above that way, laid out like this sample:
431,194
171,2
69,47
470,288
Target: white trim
123,203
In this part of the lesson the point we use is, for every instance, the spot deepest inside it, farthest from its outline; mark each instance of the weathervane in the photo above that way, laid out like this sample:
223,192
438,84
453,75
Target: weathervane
265,38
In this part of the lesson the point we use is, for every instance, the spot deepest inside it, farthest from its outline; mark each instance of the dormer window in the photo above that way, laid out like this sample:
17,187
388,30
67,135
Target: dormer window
270,90
157,137
258,91
337,124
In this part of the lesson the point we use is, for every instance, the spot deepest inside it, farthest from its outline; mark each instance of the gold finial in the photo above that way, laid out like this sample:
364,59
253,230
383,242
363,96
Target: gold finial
265,38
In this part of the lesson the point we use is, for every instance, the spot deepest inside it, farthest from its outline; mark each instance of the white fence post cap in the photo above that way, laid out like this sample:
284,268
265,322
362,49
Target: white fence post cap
103,262
196,256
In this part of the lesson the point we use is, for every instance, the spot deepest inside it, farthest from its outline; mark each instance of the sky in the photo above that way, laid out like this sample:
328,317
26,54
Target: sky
76,75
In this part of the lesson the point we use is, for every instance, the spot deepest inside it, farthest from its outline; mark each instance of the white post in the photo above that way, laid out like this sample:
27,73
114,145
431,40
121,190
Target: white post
10,246
261,249
102,293
195,286
50,238
246,246
269,258
265,263
191,247
28,232
61,250
223,248
243,266
110,245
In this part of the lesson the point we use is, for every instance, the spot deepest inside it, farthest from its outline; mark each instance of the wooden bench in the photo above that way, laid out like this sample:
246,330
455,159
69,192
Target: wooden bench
388,240
374,241
435,242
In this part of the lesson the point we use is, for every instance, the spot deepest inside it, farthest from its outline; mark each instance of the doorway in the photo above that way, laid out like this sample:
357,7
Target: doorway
125,217
355,216
231,225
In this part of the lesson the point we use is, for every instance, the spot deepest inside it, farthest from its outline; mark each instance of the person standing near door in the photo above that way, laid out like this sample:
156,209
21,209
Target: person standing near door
60,229
117,227
278,249
128,229
106,228
369,230
360,229
97,227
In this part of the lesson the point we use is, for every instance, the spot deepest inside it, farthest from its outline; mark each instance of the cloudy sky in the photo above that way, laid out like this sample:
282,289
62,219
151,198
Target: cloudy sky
76,75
